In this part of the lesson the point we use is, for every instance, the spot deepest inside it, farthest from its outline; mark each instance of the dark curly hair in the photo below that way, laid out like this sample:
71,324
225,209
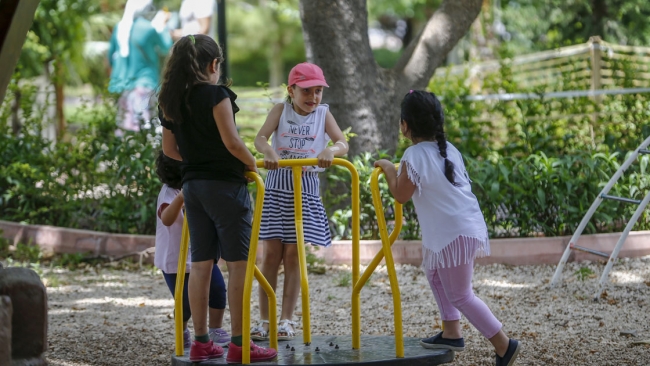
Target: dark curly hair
169,170
425,119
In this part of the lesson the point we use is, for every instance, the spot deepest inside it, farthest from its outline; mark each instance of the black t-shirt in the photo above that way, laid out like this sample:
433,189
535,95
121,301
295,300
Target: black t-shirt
204,154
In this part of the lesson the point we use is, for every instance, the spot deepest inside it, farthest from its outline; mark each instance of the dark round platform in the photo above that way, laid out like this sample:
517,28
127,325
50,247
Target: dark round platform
375,350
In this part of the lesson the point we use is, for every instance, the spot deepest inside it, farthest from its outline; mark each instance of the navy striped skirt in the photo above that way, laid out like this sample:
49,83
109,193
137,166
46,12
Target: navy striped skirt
278,220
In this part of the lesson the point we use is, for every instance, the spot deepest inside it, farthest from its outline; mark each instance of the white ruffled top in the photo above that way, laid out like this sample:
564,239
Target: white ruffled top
452,224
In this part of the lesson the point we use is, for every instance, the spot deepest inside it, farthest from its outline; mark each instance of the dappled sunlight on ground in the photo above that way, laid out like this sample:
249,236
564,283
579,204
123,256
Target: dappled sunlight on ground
501,283
115,317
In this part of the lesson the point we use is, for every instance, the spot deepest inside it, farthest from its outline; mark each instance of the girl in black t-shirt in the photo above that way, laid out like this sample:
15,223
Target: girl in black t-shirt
198,117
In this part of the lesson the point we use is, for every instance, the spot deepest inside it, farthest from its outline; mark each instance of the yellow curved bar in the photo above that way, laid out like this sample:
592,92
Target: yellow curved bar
302,256
253,271
178,292
296,165
387,241
273,306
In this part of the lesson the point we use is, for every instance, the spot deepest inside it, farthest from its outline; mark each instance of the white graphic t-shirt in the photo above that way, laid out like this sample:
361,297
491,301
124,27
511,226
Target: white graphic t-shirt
301,137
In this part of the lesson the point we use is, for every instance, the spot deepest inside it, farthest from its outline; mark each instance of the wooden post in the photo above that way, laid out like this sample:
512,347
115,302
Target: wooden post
596,59
596,80
16,17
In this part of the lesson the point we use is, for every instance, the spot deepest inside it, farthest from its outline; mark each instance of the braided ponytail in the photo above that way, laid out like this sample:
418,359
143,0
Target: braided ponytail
449,166
425,119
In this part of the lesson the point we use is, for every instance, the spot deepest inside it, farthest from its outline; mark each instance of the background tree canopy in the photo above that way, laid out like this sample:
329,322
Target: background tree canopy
541,25
265,36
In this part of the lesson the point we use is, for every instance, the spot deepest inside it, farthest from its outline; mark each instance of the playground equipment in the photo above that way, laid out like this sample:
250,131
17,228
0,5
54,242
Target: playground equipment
321,349
386,242
603,195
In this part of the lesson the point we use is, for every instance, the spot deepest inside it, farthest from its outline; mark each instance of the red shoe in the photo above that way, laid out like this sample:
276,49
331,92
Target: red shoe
204,351
258,354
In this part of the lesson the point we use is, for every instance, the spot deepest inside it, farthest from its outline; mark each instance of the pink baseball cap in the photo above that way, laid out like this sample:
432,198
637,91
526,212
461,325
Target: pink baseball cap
306,75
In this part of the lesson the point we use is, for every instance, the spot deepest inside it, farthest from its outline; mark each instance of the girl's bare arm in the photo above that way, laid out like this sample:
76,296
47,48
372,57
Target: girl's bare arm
400,186
169,212
340,147
271,159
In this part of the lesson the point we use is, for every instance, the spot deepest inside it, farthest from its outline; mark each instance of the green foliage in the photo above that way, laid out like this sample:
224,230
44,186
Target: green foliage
403,8
20,252
315,264
27,253
311,258
541,25
93,181
68,260
341,211
344,279
540,195
4,246
583,273
266,35
57,34
386,58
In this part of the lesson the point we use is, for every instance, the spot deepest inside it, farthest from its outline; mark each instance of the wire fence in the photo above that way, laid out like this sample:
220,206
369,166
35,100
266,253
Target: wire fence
592,65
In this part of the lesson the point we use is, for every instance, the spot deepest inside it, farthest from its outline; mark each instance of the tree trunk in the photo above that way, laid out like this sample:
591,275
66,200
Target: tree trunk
60,98
275,62
362,94
276,65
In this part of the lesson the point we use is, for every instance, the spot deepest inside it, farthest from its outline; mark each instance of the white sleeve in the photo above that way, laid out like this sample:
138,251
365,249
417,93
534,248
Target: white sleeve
408,164
203,8
168,197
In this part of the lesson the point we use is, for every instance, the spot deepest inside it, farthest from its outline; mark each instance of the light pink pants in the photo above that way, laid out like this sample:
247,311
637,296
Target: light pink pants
452,288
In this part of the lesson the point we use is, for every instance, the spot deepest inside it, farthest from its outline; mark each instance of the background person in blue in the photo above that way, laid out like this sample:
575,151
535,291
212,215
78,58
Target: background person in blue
137,45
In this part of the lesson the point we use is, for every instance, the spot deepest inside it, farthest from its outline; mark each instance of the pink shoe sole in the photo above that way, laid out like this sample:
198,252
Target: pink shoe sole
204,358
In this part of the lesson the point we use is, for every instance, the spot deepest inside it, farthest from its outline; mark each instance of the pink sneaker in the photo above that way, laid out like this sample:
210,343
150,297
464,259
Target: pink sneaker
258,354
204,351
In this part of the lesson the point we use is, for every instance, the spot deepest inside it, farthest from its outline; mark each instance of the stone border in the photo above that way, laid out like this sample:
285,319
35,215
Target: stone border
514,251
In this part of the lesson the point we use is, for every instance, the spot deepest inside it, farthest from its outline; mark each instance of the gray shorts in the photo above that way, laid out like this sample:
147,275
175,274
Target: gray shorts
219,219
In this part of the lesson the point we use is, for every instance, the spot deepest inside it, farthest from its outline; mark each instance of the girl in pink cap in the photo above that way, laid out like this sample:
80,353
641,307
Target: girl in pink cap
301,127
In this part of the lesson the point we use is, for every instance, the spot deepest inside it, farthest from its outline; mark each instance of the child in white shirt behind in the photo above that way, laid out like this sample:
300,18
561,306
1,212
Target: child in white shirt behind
169,227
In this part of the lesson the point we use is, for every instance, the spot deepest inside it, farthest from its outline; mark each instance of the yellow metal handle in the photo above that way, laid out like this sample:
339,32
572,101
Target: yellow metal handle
178,292
296,165
386,242
252,270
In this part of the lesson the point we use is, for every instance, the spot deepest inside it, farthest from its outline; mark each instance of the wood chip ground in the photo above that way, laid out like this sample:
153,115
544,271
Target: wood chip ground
104,316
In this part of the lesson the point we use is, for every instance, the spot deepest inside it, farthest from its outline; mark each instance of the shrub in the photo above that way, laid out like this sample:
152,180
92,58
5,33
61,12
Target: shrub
94,180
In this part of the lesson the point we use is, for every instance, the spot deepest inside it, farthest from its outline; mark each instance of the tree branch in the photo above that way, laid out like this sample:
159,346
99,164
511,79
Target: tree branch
442,32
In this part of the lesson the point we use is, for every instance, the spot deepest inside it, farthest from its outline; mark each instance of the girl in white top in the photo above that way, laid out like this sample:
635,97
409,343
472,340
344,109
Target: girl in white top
301,128
454,232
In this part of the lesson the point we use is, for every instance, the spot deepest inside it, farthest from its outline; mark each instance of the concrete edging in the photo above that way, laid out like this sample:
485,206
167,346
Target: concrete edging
513,251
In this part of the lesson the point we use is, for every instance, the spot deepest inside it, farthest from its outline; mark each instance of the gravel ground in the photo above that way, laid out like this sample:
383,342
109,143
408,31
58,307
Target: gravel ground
105,316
